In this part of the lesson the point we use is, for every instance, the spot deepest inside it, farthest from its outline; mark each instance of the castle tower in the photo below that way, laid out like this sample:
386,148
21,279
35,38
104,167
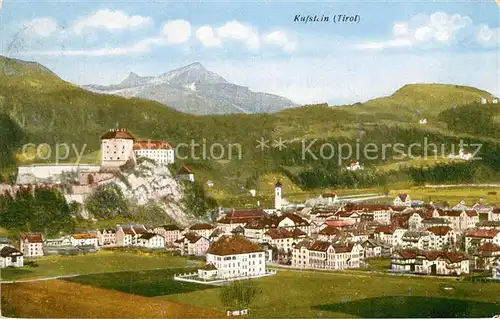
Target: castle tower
277,196
116,148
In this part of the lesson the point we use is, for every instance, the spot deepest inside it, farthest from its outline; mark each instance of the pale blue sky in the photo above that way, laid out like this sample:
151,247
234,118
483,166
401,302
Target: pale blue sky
260,46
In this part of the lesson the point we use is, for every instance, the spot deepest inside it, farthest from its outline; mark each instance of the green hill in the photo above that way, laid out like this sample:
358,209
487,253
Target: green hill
42,108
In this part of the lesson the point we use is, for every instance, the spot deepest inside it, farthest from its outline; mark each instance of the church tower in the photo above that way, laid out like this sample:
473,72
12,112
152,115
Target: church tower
277,196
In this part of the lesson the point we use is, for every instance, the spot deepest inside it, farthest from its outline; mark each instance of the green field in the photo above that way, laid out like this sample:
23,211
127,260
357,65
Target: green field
101,262
313,294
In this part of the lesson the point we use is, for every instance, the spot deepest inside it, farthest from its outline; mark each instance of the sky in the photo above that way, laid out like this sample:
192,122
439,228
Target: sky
266,46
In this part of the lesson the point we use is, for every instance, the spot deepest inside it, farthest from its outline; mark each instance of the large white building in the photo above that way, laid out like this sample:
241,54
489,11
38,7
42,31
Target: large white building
116,148
31,245
151,240
232,257
159,151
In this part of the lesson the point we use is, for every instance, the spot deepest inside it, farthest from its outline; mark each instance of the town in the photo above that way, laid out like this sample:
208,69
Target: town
327,232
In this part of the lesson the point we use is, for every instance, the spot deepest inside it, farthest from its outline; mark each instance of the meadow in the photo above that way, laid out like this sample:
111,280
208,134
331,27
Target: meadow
289,294
103,261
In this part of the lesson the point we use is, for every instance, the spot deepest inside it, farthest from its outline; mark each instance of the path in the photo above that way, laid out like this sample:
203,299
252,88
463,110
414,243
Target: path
39,279
462,185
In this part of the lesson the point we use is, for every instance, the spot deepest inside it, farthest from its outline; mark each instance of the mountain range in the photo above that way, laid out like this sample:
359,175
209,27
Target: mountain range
196,90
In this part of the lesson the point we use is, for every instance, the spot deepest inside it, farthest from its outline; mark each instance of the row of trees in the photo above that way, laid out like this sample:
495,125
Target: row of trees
39,210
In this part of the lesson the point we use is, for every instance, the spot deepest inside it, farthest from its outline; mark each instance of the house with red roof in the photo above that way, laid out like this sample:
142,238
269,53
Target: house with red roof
477,236
235,257
185,173
170,232
237,218
31,245
326,255
283,239
192,244
390,234
117,148
402,200
429,262
495,214
486,256
161,152
202,229
442,237
127,235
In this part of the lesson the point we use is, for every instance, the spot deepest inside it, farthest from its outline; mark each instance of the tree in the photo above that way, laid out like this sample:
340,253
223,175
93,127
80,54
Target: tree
238,294
107,201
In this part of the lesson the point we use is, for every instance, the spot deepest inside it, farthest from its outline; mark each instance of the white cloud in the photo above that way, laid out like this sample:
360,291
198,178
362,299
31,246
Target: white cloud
177,31
42,27
280,39
239,32
109,20
234,30
206,35
436,30
487,36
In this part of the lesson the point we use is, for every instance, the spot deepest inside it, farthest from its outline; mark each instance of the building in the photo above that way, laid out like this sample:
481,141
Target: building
277,196
233,257
487,256
4,241
159,151
429,262
373,248
202,229
106,237
11,257
31,245
116,148
418,239
238,218
496,271
283,239
169,232
57,242
84,239
478,236
185,173
391,235
444,237
193,244
402,200
151,240
325,255
354,166
125,236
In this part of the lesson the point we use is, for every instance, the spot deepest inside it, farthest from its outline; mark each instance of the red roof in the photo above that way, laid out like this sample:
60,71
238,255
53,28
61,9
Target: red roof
241,216
278,233
299,221
32,238
386,229
119,133
482,233
496,210
320,246
201,227
330,231
184,170
340,223
345,248
233,245
151,145
472,213
489,247
432,255
209,267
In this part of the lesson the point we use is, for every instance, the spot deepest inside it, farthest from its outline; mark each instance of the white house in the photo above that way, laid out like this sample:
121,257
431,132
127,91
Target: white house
84,239
151,240
390,234
325,255
429,262
233,257
159,151
484,100
10,257
185,173
170,232
496,270
354,166
478,236
202,229
418,239
193,244
31,245
106,237
422,121
402,200
116,148
443,237
57,242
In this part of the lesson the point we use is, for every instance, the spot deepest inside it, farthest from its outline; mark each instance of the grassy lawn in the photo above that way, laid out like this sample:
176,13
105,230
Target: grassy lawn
147,283
309,294
102,261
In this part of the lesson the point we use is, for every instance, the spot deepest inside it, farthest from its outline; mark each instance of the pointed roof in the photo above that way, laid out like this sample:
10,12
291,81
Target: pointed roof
233,245
184,170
